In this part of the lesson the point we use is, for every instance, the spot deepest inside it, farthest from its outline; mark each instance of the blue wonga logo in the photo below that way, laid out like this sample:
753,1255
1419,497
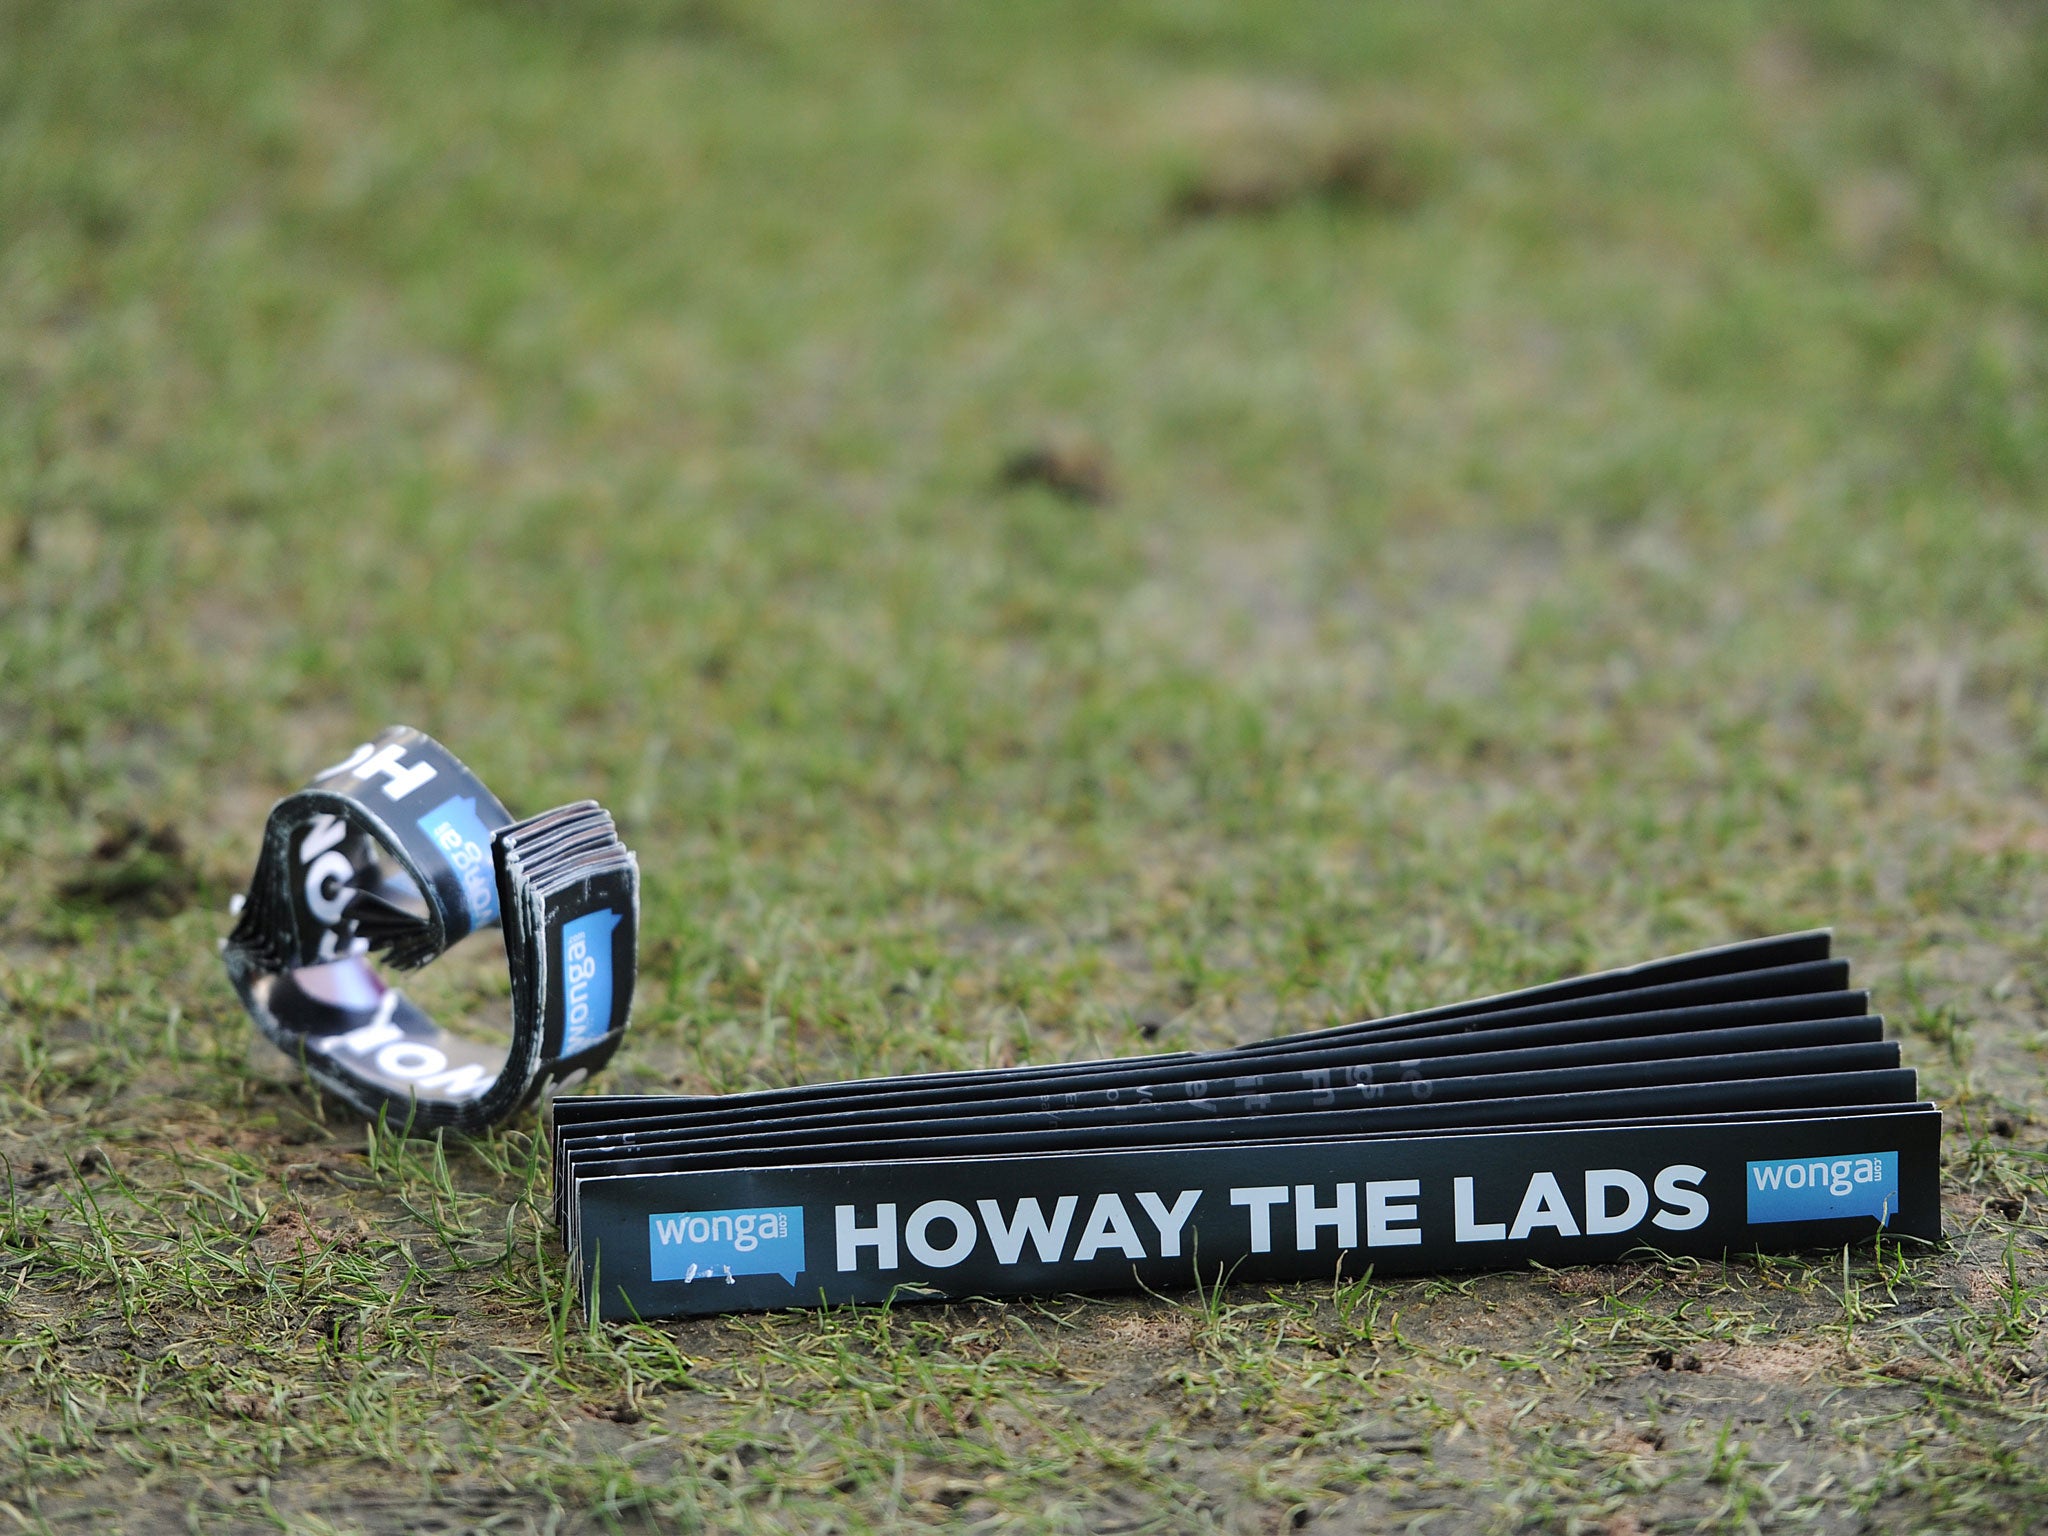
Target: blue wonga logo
587,979
1825,1188
723,1245
455,828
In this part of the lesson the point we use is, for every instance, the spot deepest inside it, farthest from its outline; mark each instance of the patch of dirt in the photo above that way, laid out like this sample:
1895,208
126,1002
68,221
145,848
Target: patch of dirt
1362,171
135,869
1251,148
2031,841
1149,1331
1076,469
1595,1280
1778,1361
1981,1288
1872,217
291,1234
260,1406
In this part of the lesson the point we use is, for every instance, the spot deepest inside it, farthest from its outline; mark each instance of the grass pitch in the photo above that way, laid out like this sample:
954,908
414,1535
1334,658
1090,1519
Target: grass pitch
1059,529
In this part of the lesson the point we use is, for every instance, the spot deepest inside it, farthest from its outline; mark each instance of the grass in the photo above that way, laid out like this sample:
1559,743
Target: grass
1058,529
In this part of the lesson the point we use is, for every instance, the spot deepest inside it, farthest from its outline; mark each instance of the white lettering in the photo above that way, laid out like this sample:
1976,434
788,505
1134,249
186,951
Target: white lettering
1047,1237
408,1058
329,866
468,861
1109,1226
917,1239
1599,1220
1544,1206
1381,1213
580,967
1170,1222
1690,1206
1310,1218
1261,1199
324,832
1468,1230
852,1238
326,949
365,1038
389,760
346,765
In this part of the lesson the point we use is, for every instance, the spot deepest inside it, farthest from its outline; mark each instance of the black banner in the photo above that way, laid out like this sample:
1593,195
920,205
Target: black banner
677,1244
1733,1098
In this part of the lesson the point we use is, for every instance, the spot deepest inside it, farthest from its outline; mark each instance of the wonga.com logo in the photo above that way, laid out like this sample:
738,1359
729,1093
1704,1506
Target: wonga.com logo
455,828
1822,1188
587,979
723,1245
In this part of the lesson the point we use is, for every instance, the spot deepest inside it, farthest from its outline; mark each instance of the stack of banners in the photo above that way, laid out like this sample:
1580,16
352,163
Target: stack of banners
1738,1098
400,850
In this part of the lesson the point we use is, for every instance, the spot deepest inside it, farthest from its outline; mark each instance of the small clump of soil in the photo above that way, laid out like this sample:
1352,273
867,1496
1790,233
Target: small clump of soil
1360,172
1078,471
135,869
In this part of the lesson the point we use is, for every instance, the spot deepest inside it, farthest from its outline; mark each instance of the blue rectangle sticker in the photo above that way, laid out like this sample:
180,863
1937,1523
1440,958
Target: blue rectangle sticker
723,1245
454,827
587,979
1825,1188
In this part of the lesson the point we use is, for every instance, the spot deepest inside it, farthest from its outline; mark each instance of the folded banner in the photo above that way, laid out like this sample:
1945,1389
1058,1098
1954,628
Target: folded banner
1737,1098
400,849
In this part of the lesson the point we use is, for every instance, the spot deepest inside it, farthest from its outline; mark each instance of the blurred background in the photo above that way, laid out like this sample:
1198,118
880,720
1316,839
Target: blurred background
1056,527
